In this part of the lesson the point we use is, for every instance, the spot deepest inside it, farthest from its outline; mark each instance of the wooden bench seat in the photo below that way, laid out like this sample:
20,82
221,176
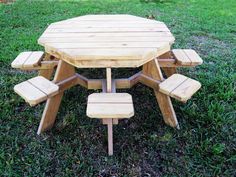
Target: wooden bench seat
179,87
186,57
36,90
28,60
110,105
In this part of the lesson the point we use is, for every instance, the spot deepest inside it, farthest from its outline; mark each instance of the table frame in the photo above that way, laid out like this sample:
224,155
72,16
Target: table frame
151,76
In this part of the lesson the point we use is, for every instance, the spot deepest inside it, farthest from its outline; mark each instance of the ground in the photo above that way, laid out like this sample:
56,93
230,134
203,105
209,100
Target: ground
144,146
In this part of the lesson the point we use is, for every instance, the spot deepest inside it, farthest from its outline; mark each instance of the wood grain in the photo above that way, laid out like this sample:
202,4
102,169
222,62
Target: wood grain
63,72
107,41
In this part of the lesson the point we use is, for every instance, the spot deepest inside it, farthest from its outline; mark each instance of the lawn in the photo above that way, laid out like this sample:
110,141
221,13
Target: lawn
144,146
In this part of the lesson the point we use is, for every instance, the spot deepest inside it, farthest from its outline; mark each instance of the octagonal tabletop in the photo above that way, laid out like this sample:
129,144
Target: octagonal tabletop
98,41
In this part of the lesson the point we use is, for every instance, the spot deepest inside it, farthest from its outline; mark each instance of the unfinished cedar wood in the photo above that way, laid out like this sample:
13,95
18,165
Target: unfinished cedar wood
179,87
110,105
121,44
36,90
27,59
35,60
122,41
180,58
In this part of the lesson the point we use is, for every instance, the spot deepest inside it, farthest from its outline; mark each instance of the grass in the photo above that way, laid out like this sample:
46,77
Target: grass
144,145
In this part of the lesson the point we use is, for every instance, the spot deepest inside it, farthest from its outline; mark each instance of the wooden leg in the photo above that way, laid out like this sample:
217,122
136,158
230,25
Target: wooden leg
110,137
63,71
169,71
47,73
152,69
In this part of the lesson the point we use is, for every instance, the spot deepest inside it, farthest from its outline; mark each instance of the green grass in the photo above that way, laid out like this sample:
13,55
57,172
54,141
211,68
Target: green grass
144,145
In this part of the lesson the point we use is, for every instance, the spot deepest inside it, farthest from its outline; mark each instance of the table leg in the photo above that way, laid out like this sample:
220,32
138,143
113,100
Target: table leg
47,73
169,71
64,70
152,69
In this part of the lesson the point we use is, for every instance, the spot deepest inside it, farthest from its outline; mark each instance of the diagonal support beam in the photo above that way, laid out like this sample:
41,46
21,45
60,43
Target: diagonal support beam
152,69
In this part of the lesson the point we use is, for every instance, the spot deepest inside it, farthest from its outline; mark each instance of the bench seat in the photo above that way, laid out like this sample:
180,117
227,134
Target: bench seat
110,105
36,90
28,60
186,57
179,87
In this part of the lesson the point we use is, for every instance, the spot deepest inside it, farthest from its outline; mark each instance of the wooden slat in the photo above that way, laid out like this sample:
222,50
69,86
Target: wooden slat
20,60
110,105
193,56
171,83
107,25
104,30
185,90
97,18
110,98
181,57
94,35
179,87
30,93
104,22
108,53
44,85
113,39
36,90
113,60
89,22
108,77
33,59
108,45
108,110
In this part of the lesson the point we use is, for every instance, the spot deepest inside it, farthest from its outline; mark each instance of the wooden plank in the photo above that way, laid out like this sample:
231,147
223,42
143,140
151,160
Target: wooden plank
193,56
122,83
47,73
89,22
63,72
110,98
110,105
171,83
152,69
81,80
107,25
149,81
185,91
95,84
110,137
29,93
44,85
105,30
110,110
20,60
108,45
99,17
114,60
44,40
169,71
33,60
108,77
103,54
100,35
181,57
47,65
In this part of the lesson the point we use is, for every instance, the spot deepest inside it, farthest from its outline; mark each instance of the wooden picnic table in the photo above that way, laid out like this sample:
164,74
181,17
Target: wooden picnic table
107,41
